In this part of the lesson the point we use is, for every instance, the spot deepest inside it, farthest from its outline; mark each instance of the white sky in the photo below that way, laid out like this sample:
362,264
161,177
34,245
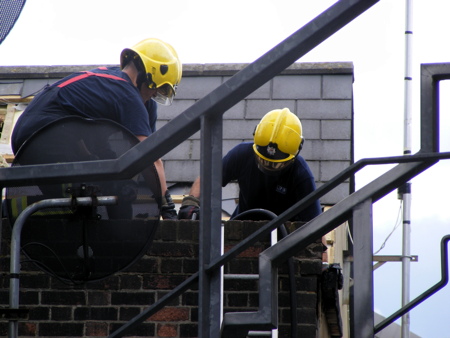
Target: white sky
63,32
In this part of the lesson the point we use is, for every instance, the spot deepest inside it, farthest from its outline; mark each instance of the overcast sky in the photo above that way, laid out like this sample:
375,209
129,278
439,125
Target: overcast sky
63,32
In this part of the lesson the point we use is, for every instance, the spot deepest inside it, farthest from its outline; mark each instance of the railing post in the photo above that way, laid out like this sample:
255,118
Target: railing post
362,303
210,235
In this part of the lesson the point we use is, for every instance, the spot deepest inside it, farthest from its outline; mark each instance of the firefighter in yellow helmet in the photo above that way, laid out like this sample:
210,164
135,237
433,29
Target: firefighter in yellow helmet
278,138
270,172
158,65
149,72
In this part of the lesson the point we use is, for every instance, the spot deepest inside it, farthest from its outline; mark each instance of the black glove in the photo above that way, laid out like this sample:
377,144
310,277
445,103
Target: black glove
168,207
190,208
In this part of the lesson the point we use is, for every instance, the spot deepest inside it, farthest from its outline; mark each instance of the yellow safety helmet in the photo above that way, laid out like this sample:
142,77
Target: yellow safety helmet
278,138
160,65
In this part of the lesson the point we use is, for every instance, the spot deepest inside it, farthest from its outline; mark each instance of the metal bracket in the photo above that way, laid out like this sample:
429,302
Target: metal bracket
381,260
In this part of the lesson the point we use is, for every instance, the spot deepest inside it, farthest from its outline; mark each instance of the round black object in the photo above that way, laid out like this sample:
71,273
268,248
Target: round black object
81,244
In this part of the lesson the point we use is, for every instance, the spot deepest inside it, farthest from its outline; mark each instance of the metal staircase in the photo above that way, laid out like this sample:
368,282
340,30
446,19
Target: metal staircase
206,114
270,332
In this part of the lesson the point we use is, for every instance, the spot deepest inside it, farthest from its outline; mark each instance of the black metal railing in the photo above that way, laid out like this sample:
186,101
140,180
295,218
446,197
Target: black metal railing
301,237
425,295
206,114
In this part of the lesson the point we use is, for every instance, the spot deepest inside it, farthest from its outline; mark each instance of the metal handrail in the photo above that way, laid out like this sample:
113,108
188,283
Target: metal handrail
224,97
317,194
273,224
412,165
425,295
16,243
206,114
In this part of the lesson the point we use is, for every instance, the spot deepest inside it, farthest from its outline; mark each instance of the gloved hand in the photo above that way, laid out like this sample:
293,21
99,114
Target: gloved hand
190,208
168,207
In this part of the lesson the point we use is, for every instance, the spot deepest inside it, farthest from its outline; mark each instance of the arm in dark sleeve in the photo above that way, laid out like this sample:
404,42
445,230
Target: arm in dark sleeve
304,186
230,166
152,110
311,211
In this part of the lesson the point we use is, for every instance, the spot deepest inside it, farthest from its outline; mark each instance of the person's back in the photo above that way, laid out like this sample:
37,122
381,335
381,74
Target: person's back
100,93
150,70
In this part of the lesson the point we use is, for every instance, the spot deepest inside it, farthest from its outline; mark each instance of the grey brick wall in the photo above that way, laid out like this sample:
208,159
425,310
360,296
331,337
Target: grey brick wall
321,94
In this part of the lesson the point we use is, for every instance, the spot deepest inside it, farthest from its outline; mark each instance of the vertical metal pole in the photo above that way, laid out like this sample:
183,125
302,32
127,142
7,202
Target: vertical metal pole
14,275
406,260
210,234
408,80
406,194
16,245
362,323
273,241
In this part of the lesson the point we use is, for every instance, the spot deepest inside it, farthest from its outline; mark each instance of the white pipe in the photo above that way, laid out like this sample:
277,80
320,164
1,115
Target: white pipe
406,241
406,262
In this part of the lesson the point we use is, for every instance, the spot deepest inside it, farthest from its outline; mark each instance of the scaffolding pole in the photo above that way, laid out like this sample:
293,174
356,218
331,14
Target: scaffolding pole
406,191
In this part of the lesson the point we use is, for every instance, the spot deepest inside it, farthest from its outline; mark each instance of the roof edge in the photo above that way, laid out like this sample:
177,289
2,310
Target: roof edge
208,69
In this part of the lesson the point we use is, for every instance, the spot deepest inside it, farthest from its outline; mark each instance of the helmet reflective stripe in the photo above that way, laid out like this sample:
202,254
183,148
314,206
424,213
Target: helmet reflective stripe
279,136
161,65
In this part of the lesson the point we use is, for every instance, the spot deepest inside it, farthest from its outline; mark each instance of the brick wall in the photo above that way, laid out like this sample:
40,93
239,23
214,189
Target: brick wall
99,308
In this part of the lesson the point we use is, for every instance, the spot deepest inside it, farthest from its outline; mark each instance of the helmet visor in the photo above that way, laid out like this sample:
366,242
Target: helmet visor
164,95
272,168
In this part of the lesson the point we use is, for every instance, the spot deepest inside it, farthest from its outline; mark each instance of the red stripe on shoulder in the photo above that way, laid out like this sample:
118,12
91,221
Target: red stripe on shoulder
85,75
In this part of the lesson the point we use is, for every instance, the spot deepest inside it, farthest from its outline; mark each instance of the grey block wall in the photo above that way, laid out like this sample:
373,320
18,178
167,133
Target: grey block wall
321,94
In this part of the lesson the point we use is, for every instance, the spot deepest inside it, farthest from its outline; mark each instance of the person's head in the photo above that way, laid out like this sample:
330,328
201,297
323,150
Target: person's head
158,67
278,138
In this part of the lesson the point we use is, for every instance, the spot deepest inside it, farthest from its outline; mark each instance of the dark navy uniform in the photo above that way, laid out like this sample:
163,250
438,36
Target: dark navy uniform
261,191
97,94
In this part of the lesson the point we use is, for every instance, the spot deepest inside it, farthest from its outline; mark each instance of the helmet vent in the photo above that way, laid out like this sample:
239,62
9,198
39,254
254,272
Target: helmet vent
163,69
